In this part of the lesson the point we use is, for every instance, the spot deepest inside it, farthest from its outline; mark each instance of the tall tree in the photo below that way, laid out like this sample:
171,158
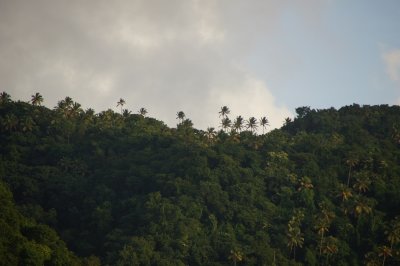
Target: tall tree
121,103
143,111
351,162
210,134
238,123
393,233
252,124
181,116
226,123
294,234
5,97
224,111
264,123
37,99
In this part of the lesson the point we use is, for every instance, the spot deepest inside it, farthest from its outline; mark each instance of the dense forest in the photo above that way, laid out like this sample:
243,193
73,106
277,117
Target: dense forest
120,188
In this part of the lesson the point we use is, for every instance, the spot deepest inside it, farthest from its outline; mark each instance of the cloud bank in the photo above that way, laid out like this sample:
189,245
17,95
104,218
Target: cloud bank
166,56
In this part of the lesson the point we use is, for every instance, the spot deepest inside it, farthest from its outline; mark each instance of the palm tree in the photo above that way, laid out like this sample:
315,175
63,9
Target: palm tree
210,134
235,256
330,247
238,123
384,252
393,234
295,239
224,111
68,101
126,113
181,116
76,109
10,122
27,124
351,162
37,99
287,121
252,124
345,192
264,122
226,123
65,107
121,103
371,259
362,206
143,111
362,184
5,97
323,221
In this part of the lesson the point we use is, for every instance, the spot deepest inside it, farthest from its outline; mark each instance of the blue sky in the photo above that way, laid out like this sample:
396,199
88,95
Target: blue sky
258,57
336,57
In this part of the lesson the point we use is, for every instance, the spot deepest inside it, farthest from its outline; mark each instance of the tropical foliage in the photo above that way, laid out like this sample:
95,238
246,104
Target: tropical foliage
84,188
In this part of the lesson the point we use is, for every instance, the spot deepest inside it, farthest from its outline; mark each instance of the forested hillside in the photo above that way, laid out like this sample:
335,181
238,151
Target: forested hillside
116,188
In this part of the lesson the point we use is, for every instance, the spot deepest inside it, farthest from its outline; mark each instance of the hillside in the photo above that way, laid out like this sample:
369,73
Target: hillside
125,189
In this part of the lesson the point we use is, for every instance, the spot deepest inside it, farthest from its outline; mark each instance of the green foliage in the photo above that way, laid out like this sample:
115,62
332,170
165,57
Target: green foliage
124,189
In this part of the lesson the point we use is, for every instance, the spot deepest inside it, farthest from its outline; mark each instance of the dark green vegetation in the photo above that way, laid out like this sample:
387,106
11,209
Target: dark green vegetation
125,189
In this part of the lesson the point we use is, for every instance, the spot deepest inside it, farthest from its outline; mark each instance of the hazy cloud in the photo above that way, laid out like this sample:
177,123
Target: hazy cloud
392,61
166,56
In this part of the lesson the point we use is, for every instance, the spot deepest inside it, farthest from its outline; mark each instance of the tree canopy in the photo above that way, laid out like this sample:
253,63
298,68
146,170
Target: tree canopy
84,188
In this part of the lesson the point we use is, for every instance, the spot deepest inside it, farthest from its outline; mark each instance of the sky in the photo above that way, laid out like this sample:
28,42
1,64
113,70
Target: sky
258,57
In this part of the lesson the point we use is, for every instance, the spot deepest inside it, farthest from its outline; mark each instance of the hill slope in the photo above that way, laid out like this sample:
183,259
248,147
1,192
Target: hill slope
322,190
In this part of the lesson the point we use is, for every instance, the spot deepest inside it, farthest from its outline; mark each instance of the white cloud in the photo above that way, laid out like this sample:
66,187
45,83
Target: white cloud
163,55
392,61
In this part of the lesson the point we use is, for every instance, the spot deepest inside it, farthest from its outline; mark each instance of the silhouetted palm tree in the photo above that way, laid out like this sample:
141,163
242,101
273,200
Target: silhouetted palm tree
238,123
37,99
5,97
252,124
224,111
287,121
226,123
264,122
121,103
126,113
181,116
143,111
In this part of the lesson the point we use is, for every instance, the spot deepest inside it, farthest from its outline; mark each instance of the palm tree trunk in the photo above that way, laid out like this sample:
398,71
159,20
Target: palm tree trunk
294,253
348,177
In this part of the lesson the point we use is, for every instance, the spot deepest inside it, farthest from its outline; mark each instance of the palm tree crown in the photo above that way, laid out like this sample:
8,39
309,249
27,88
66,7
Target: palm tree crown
37,99
143,111
252,124
4,97
181,116
121,103
224,111
238,123
264,122
226,123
